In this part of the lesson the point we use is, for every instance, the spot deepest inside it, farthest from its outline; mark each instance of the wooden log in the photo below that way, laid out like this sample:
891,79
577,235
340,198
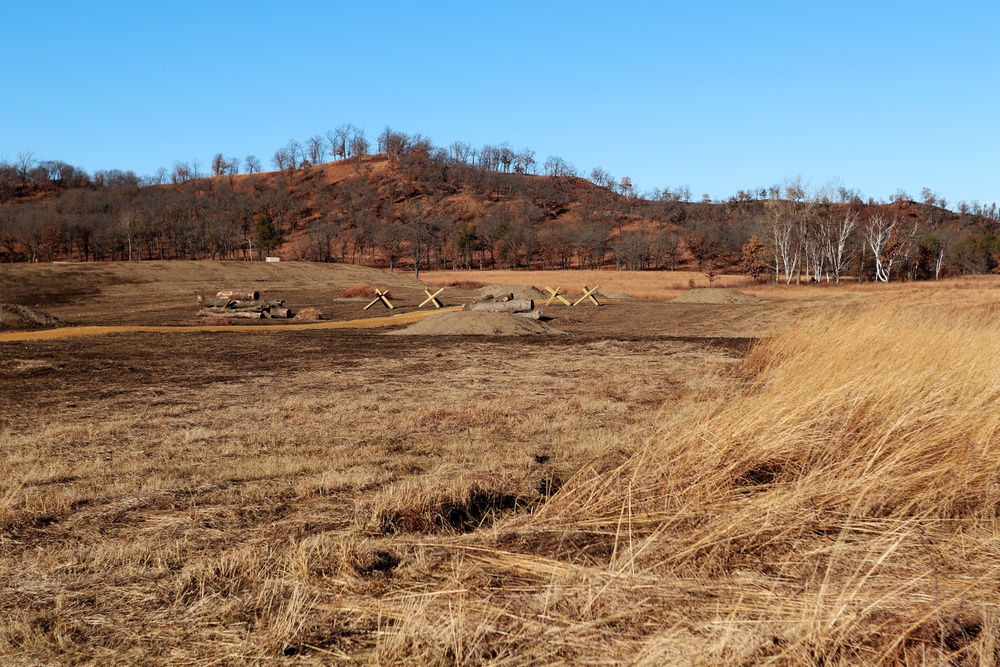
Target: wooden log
214,302
531,314
279,312
248,314
239,295
513,306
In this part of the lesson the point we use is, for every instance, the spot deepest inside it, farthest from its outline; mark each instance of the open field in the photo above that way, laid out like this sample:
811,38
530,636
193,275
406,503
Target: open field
648,487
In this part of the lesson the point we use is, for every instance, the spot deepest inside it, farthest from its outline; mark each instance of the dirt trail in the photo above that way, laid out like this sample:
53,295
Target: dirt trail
73,332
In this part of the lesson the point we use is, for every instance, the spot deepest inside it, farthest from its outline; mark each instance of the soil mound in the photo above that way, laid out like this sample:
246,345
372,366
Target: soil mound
717,295
519,292
19,317
471,323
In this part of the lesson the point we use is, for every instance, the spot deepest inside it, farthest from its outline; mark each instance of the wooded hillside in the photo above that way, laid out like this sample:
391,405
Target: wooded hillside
416,206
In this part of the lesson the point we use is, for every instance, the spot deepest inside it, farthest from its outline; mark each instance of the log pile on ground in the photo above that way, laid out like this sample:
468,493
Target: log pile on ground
243,304
511,292
504,306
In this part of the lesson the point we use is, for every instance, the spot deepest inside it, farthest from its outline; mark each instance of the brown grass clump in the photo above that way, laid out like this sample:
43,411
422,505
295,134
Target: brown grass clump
309,314
465,284
357,292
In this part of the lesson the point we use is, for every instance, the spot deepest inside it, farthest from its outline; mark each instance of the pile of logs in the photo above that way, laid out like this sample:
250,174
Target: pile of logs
235,303
523,307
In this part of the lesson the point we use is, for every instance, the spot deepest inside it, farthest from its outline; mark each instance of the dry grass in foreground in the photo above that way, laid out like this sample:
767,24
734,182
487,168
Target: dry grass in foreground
837,504
841,508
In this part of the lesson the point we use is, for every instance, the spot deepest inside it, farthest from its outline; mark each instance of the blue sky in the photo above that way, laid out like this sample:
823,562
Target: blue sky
717,96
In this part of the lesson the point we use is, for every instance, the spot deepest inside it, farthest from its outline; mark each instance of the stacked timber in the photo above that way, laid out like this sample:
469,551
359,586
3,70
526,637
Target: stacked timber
524,307
245,304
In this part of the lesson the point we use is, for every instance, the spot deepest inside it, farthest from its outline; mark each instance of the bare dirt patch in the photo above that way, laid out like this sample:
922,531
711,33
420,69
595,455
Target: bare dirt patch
715,295
468,323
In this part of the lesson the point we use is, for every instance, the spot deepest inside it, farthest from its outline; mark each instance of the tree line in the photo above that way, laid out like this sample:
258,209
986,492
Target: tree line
413,204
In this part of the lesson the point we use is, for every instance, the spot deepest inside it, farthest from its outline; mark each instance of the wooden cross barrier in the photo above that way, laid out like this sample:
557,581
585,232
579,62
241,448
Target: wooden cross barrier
383,297
556,294
431,298
588,293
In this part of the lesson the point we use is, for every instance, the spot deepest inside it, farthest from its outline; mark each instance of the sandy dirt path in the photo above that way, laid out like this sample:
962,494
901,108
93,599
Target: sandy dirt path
368,323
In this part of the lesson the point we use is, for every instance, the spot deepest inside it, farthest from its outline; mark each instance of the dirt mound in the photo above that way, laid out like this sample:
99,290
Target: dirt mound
19,317
717,295
519,292
470,323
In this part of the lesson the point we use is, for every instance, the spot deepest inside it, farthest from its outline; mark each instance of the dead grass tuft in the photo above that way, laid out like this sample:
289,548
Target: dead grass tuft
309,314
449,500
358,291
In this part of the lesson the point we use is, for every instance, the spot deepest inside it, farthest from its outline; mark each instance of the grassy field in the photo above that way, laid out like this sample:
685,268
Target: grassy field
626,493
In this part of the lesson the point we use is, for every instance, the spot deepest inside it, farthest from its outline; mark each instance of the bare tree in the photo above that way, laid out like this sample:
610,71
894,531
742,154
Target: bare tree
281,160
219,165
600,177
181,172
556,166
928,196
316,149
337,144
252,164
506,157
359,145
460,151
295,154
524,162
838,234
888,241
25,162
784,238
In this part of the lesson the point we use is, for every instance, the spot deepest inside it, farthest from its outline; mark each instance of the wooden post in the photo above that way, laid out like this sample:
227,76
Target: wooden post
383,297
431,298
588,293
556,294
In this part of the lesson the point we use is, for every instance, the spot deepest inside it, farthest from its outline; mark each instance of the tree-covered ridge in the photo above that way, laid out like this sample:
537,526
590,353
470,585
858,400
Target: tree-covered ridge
418,206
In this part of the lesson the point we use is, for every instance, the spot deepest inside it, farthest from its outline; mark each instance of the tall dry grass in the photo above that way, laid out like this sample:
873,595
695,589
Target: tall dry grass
835,504
842,504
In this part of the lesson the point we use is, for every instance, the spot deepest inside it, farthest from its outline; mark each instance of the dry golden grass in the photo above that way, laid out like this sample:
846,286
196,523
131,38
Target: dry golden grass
841,506
235,517
830,499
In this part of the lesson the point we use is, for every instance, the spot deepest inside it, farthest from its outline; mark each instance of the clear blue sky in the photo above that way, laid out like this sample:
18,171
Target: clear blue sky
717,96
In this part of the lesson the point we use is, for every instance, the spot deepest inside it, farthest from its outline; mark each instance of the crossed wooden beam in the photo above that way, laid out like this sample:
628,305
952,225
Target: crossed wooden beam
588,293
557,293
383,297
431,298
